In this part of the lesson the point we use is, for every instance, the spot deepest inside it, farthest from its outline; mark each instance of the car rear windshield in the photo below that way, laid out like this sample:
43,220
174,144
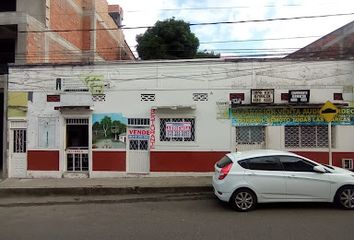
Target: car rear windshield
224,162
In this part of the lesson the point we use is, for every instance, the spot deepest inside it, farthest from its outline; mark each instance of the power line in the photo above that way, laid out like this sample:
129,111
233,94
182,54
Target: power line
195,24
241,52
259,40
214,8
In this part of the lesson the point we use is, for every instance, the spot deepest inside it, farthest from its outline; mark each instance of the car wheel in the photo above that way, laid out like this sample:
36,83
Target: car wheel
243,200
345,197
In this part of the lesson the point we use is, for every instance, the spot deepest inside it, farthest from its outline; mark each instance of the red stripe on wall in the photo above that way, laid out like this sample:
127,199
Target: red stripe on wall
184,161
338,157
108,161
320,157
323,157
39,160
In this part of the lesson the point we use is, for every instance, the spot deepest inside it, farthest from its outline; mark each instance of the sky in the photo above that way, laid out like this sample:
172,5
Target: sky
268,38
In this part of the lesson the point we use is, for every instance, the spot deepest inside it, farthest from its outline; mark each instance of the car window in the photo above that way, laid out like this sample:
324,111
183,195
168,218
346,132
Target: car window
244,164
270,163
223,162
296,164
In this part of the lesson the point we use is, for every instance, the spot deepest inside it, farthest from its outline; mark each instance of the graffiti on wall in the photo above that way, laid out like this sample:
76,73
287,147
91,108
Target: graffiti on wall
109,130
17,104
95,83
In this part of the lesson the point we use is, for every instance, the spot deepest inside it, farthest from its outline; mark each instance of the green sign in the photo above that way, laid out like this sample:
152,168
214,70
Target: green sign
287,116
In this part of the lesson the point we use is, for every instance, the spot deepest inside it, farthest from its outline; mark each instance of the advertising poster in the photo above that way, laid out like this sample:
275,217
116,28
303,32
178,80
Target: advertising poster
178,129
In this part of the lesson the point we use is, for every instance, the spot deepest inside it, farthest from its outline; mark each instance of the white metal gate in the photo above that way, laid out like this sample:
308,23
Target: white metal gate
18,149
138,156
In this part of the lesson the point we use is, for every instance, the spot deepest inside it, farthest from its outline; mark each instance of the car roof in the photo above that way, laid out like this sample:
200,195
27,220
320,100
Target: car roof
236,156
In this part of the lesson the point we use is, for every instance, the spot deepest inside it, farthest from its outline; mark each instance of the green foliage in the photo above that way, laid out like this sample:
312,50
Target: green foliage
168,39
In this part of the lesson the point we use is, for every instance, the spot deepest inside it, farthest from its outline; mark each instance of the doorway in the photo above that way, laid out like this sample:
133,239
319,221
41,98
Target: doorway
18,149
77,144
138,155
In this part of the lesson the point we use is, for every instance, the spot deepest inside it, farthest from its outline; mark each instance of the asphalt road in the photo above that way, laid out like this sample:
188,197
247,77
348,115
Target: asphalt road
174,219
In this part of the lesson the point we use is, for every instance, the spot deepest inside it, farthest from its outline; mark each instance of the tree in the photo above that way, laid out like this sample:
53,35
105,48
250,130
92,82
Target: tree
168,39
106,123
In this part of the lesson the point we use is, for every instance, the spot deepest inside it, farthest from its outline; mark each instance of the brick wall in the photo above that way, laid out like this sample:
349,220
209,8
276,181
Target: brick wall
64,17
68,23
35,52
107,47
60,54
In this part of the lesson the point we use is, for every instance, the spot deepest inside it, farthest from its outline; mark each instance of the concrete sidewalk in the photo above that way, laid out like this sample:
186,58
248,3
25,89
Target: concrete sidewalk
104,186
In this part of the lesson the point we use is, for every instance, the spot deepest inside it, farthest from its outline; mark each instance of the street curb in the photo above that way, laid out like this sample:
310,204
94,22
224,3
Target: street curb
131,199
98,190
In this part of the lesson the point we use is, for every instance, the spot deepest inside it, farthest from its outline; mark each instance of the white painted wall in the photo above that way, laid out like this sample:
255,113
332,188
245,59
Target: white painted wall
174,82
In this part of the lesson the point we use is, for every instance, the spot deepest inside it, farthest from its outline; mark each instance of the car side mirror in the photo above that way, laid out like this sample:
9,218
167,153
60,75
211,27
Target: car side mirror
319,169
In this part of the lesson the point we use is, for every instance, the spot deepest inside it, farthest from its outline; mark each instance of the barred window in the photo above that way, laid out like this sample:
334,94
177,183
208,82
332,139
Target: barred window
177,129
138,121
200,97
147,97
307,136
250,135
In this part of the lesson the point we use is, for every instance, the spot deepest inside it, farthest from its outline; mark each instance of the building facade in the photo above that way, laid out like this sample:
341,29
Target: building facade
174,117
58,31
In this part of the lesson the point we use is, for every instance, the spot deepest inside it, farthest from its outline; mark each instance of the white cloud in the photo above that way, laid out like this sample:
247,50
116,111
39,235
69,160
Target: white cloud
146,13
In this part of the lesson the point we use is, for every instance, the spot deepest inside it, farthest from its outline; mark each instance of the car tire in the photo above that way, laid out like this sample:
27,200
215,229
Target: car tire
345,198
243,200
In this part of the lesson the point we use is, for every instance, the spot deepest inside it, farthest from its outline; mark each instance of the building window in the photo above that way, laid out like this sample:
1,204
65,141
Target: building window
177,129
47,134
347,164
250,135
307,136
200,97
138,122
147,97
19,141
139,145
99,97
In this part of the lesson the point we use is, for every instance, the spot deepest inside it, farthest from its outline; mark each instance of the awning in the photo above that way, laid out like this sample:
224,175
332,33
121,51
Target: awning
73,108
285,105
175,107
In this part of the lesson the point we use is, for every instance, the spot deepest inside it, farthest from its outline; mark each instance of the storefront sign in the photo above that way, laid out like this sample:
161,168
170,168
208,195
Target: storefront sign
138,134
178,129
288,116
262,96
299,96
152,128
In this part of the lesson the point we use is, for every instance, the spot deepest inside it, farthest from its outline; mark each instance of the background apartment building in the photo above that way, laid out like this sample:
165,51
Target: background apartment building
33,31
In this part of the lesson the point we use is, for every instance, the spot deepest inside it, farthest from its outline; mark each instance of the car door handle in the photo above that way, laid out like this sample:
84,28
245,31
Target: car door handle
251,174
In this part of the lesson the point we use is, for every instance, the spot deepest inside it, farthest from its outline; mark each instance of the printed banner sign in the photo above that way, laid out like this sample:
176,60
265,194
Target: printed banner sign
178,129
152,128
288,116
138,134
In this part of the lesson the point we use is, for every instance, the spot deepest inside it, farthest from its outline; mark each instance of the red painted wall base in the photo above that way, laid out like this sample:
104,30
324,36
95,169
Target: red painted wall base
41,160
108,161
184,161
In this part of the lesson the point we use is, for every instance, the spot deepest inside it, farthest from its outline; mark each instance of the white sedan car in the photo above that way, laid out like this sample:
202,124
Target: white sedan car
246,178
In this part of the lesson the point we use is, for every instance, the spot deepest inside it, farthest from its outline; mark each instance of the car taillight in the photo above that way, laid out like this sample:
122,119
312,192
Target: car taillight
224,171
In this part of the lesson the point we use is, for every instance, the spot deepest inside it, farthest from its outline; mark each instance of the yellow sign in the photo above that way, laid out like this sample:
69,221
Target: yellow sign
328,111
